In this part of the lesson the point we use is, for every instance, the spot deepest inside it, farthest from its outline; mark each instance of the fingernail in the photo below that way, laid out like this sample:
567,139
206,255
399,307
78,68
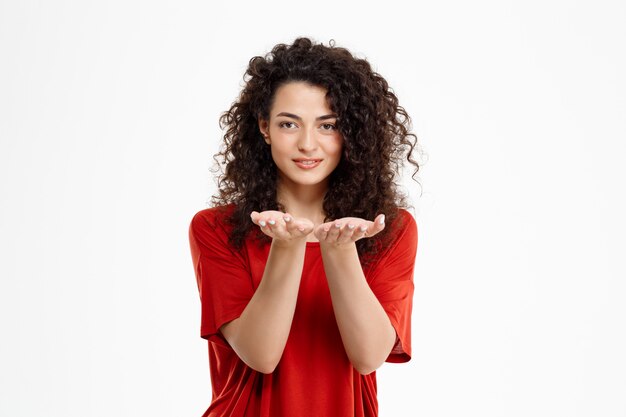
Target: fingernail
272,222
287,219
262,223
337,225
350,226
363,228
326,228
382,220
300,228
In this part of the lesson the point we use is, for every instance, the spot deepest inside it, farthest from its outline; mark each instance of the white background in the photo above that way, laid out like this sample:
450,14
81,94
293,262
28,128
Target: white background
108,124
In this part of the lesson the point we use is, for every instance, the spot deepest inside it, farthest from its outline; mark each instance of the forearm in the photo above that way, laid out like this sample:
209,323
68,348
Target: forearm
259,335
365,328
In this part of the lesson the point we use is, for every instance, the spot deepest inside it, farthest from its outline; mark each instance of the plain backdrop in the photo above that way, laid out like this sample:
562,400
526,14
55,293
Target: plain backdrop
108,123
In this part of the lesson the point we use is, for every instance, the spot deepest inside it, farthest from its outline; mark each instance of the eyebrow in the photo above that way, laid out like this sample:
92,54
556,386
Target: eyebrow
295,116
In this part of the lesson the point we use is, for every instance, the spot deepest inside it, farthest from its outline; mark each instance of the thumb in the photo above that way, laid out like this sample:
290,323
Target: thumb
379,223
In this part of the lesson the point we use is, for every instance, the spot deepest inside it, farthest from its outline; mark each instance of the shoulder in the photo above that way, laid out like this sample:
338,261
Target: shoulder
211,217
211,223
396,252
406,216
403,234
404,225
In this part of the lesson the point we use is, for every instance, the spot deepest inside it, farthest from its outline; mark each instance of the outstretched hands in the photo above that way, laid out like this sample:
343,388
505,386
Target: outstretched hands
348,230
285,227
282,226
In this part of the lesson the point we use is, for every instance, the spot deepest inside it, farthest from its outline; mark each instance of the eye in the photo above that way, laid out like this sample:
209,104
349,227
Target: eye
282,124
328,126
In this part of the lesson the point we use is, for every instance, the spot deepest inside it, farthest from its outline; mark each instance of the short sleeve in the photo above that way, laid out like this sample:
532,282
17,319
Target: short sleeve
224,281
391,281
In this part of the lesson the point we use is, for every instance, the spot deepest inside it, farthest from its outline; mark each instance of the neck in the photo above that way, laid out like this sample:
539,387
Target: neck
303,200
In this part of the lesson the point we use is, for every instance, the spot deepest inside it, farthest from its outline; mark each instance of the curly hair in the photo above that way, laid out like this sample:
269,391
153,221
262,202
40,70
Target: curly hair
375,129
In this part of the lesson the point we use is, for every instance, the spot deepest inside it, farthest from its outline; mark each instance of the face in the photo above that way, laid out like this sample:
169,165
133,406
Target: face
302,134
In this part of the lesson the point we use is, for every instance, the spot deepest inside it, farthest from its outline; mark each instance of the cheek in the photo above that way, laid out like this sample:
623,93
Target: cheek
280,157
275,155
337,149
276,150
336,154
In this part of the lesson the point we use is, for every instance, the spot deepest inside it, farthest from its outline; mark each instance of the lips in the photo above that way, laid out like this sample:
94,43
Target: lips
306,163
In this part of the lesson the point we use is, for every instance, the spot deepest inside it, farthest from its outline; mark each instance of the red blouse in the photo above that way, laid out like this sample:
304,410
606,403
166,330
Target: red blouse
314,375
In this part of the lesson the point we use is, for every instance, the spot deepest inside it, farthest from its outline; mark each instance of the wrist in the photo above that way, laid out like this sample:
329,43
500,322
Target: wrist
339,248
289,244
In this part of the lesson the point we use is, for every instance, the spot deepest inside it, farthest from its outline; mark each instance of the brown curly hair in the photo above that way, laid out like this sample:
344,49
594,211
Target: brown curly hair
375,130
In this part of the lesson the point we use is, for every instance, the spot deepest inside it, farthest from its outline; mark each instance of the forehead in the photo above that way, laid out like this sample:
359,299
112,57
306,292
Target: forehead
300,97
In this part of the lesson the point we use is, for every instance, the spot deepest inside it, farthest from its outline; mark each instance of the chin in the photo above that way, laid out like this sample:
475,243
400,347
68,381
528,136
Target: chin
311,183
307,181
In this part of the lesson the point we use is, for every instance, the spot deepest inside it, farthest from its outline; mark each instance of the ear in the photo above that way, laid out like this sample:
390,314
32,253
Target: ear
265,130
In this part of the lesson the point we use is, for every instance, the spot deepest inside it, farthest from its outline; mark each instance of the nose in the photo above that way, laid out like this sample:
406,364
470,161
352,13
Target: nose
307,141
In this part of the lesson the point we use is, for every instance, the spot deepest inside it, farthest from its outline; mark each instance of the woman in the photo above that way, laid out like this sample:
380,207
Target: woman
304,263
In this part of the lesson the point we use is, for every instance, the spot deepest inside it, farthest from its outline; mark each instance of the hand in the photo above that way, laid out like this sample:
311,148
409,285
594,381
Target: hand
348,230
282,226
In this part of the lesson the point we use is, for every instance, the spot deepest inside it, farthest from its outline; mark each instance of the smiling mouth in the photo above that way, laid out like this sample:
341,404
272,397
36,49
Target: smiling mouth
307,163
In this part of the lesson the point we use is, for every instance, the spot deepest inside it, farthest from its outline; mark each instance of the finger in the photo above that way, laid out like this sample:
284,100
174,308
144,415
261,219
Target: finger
322,231
359,232
276,226
346,233
333,231
262,220
291,225
300,228
380,222
288,225
377,225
